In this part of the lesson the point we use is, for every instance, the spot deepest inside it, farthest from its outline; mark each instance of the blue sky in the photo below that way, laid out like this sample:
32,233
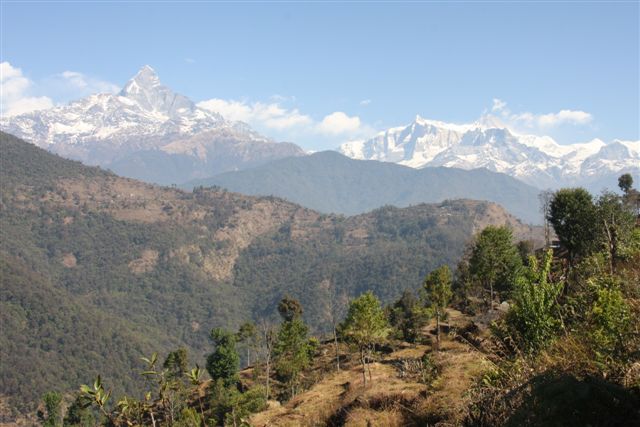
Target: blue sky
323,73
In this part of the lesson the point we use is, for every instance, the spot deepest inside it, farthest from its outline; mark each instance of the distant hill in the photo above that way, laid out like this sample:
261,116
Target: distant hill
97,270
332,183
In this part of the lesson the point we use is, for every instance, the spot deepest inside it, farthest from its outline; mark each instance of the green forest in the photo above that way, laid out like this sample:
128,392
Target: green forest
561,337
98,270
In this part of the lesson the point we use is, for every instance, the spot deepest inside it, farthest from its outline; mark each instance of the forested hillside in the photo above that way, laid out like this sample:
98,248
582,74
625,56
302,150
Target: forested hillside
330,182
97,270
514,337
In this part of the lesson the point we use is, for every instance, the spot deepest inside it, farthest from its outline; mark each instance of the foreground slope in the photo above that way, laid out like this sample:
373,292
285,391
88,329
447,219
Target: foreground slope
412,384
425,384
330,182
98,270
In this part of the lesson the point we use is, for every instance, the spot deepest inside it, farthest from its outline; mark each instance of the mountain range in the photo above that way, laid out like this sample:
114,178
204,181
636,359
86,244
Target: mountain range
148,132
332,183
537,160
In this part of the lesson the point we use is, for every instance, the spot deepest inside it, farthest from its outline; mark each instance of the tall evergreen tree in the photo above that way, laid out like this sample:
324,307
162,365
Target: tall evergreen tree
291,349
495,261
224,362
52,416
365,326
176,363
438,290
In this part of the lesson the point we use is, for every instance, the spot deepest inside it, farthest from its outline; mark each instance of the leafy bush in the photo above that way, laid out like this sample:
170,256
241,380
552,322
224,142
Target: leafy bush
609,317
533,317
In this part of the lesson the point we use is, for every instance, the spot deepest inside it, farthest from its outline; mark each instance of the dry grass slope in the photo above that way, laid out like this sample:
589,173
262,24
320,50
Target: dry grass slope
398,394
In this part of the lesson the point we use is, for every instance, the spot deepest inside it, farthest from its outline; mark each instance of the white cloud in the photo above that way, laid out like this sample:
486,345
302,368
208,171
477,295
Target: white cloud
230,110
258,114
275,116
26,105
574,117
339,123
21,95
365,102
73,84
539,121
16,95
288,123
7,71
83,82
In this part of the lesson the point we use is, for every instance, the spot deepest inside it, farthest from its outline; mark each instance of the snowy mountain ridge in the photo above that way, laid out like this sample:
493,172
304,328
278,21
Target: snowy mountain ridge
149,132
146,129
144,107
487,143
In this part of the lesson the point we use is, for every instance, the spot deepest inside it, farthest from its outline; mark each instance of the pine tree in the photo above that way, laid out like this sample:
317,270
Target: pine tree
494,261
437,286
52,417
176,363
291,349
408,316
365,326
224,362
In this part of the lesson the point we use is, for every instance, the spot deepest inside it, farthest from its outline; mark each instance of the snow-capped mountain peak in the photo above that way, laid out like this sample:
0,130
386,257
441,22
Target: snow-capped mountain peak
436,124
489,121
145,79
140,126
146,89
489,143
143,109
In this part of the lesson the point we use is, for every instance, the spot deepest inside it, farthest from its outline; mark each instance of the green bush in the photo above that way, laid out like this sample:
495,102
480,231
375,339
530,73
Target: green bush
533,318
609,318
